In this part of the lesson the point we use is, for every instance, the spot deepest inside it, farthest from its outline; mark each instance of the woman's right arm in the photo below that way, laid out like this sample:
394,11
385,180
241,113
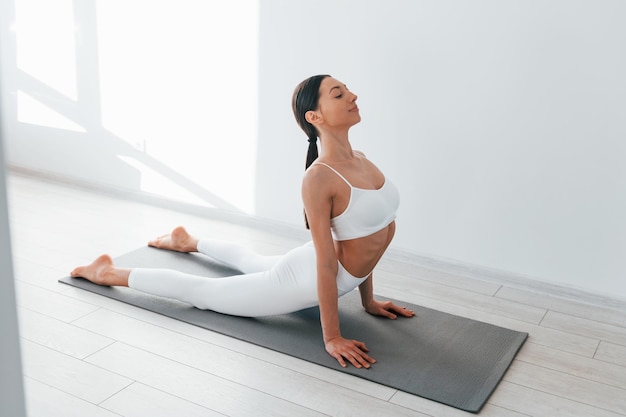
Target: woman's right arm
318,204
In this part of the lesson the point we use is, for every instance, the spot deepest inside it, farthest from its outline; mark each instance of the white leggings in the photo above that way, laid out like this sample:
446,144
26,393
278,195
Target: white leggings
268,285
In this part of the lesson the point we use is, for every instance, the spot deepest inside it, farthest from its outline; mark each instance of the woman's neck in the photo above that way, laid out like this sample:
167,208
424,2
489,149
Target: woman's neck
336,147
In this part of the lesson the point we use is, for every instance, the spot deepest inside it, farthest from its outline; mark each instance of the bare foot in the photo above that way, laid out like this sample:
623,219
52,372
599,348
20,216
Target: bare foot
179,240
102,272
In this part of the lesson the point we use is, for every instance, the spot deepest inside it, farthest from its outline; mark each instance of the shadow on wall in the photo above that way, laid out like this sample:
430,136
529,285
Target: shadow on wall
68,136
94,153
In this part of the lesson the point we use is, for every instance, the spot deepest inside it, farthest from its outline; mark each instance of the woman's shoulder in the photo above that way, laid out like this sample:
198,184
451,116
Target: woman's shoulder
321,178
318,189
316,173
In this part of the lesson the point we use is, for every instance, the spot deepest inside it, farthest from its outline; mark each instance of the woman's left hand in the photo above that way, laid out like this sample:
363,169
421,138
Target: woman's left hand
388,309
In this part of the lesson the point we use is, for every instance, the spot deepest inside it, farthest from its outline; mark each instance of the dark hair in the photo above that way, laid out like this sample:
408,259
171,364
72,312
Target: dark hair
305,98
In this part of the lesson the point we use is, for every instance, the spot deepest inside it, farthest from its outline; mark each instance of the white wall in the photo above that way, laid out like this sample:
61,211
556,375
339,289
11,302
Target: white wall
502,123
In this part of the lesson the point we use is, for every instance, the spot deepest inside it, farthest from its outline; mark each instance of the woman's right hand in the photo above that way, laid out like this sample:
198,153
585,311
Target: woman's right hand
352,350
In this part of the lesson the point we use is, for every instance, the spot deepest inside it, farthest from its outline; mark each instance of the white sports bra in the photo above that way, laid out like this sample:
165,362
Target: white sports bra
368,211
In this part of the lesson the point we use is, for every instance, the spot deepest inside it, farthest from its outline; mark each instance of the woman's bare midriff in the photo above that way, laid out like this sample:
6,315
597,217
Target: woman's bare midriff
360,256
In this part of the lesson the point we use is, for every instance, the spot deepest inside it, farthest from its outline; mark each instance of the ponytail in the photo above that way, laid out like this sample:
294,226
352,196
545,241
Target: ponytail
305,98
311,154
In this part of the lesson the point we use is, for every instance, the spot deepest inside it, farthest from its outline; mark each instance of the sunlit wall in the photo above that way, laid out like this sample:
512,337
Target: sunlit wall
158,96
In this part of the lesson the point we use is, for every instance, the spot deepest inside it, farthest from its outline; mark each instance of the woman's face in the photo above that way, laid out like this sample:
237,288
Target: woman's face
337,105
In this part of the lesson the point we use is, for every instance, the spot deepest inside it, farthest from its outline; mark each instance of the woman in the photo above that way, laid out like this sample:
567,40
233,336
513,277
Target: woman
350,209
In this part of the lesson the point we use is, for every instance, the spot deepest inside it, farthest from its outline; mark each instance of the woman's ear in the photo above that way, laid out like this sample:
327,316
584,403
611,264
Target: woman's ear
312,117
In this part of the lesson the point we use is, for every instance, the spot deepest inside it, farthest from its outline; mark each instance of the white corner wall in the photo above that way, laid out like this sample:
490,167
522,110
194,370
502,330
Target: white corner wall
502,123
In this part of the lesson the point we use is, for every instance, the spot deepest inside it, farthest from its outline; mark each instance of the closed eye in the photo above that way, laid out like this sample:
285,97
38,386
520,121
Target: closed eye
339,89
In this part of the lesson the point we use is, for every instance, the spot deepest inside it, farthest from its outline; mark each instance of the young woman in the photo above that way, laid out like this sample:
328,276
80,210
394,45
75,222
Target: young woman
350,209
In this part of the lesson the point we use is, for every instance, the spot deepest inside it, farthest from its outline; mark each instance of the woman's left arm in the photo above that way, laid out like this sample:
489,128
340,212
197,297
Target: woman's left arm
380,308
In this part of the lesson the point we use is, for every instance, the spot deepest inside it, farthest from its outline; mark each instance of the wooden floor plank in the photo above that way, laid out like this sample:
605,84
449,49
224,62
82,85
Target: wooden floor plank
51,303
538,403
585,327
71,375
58,335
600,396
611,353
140,400
576,365
43,400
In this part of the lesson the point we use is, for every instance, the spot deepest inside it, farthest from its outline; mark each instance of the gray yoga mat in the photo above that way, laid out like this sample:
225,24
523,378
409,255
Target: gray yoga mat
435,355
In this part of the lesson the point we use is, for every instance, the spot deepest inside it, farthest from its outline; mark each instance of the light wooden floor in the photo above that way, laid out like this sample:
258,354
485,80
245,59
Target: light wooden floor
86,355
